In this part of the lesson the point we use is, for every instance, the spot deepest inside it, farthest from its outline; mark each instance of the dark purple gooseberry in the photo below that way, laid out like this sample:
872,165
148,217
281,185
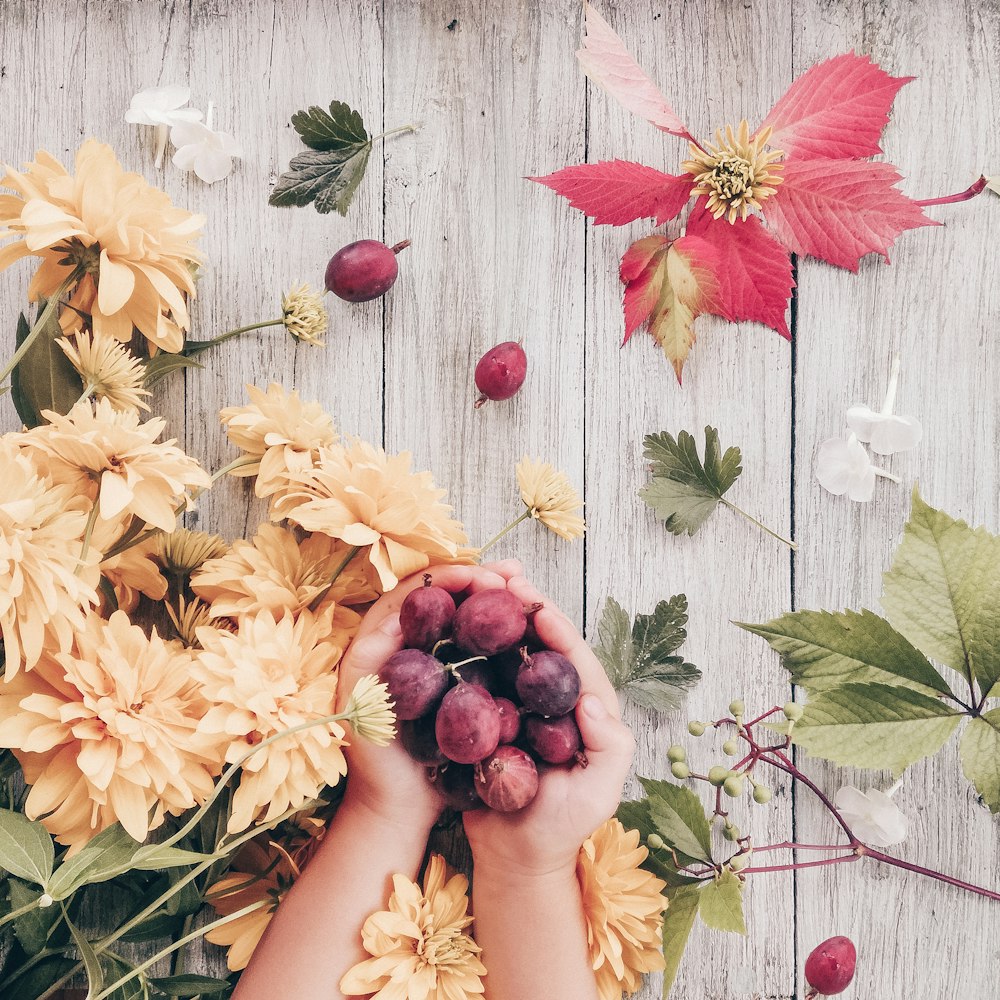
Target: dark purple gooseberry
488,622
510,720
556,741
420,741
425,615
363,270
457,786
548,683
500,372
467,724
416,682
507,780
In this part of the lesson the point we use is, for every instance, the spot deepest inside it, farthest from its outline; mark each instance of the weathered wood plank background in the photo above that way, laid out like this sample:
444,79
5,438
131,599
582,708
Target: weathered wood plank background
500,96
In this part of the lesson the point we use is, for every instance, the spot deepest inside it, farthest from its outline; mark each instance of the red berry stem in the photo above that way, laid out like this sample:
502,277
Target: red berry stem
864,851
795,866
970,192
791,845
402,245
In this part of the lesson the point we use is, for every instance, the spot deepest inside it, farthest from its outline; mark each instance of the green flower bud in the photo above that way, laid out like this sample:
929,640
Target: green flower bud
761,794
717,775
676,753
654,841
738,862
737,708
680,770
793,712
730,748
733,786
696,728
731,832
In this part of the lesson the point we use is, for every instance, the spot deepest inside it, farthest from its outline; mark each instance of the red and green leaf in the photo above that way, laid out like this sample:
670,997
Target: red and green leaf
840,210
616,192
835,110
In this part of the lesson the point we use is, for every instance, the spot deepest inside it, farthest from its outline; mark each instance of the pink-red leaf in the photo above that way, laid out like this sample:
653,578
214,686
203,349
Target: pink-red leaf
754,270
837,110
638,273
840,210
607,62
616,192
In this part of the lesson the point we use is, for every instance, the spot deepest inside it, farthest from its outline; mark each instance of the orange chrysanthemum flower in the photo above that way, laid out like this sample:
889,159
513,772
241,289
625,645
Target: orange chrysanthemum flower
624,908
44,590
134,248
109,733
134,571
373,501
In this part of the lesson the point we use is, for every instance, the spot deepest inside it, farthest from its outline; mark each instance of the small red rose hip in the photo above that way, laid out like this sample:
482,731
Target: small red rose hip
363,270
501,371
830,966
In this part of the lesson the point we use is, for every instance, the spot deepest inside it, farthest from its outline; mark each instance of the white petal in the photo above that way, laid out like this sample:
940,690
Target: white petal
896,434
850,800
173,95
188,133
891,820
834,467
212,165
862,487
184,157
861,420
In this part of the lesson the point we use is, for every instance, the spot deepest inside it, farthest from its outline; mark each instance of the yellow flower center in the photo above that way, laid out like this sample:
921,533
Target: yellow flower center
737,173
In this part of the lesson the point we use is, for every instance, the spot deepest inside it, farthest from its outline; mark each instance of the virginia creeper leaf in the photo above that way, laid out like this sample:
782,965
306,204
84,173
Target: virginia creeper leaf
643,271
873,726
943,592
721,905
25,848
684,491
607,63
616,192
822,650
980,750
840,210
678,919
679,818
753,270
44,379
837,109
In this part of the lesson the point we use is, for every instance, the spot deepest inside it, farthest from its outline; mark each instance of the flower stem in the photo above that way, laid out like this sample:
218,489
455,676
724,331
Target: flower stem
909,866
890,391
236,463
970,192
791,845
204,345
161,145
792,545
87,390
885,474
318,599
513,524
88,531
40,323
20,911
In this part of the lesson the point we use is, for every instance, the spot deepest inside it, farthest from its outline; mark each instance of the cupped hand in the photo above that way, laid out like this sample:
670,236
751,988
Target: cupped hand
571,801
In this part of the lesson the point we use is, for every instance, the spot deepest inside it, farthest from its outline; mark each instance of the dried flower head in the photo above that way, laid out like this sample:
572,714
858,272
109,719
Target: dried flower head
550,498
109,370
624,907
304,315
191,616
131,249
419,946
737,173
370,711
183,551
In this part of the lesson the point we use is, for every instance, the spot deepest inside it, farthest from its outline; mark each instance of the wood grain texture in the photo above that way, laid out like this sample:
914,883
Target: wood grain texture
499,96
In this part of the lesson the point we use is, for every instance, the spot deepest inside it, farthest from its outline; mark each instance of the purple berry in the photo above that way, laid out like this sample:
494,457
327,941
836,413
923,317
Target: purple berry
510,720
548,683
425,615
457,786
467,724
500,372
363,270
556,741
416,682
420,741
507,780
489,622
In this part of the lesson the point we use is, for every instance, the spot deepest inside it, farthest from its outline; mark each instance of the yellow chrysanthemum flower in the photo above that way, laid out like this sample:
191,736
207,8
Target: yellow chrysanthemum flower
268,677
550,497
183,551
109,733
133,571
134,248
370,711
624,907
44,590
280,432
373,501
419,947
102,452
109,370
304,315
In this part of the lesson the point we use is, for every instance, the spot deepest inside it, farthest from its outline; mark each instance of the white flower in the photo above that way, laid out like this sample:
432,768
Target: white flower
844,467
201,149
886,432
162,107
875,819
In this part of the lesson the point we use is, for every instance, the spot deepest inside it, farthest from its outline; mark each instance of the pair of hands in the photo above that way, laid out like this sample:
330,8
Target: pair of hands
571,803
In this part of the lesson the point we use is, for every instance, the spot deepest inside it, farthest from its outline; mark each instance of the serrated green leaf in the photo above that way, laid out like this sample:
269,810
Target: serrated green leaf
31,928
91,963
678,919
337,128
873,726
634,815
25,848
663,689
189,985
162,364
661,633
326,178
721,905
679,818
614,634
44,379
980,751
943,590
823,650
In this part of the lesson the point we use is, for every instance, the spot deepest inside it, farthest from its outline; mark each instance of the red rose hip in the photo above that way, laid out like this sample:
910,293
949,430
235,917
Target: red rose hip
830,966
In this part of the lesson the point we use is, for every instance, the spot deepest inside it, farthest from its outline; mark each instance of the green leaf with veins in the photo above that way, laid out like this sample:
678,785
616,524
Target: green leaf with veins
943,592
638,657
873,726
980,751
678,919
679,818
684,490
823,650
25,847
338,128
44,379
721,905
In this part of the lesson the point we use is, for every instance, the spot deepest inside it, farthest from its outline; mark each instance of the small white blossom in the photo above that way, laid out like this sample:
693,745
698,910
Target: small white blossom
884,431
162,106
844,467
875,819
208,153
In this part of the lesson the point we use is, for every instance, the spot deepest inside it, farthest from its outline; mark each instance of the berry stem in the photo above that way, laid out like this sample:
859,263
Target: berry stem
795,866
970,192
513,524
402,245
791,845
781,538
864,851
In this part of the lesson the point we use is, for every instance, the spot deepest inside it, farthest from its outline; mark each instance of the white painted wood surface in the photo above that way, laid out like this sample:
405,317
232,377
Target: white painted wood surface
500,96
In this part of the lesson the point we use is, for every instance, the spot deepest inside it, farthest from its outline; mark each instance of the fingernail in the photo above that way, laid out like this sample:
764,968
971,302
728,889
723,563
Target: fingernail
391,626
593,707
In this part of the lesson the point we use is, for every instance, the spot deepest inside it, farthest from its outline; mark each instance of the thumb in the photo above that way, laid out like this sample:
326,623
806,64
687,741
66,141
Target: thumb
371,650
608,741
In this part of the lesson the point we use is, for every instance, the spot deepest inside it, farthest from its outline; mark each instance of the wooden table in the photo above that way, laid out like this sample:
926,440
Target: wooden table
499,96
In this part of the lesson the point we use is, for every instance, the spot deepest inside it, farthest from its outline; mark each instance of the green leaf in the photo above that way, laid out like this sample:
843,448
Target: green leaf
721,905
115,969
189,985
162,364
980,750
943,591
684,491
638,661
32,928
91,963
25,848
154,857
873,726
823,650
37,980
339,128
44,378
678,919
679,818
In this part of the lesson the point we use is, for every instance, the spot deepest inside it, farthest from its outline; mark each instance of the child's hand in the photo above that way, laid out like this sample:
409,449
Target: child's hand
385,780
572,802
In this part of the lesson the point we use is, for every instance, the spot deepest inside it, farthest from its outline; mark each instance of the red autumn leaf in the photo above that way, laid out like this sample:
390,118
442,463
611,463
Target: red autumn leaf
616,192
667,286
607,62
754,270
836,110
839,210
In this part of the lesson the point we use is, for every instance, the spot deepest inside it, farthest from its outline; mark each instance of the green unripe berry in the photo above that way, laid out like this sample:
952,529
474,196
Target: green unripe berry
730,748
733,786
696,728
676,754
680,770
739,862
731,832
654,841
761,794
793,712
718,775
737,707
